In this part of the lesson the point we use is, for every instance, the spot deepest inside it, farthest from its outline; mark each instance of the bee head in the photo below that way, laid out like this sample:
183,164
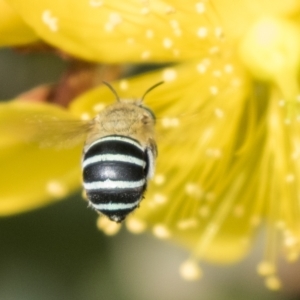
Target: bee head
137,102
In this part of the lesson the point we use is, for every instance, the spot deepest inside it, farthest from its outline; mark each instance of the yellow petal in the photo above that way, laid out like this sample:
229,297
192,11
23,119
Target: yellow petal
157,31
145,31
13,30
32,176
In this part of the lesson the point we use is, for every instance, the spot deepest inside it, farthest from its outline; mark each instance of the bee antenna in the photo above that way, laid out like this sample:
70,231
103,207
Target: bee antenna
150,89
112,89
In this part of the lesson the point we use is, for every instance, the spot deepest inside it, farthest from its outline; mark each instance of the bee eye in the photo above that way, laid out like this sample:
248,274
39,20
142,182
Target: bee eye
150,112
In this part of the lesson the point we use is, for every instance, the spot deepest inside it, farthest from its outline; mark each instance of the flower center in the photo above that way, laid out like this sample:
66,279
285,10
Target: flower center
271,51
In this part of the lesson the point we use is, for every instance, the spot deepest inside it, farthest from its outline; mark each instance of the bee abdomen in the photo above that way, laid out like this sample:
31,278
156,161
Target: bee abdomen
115,175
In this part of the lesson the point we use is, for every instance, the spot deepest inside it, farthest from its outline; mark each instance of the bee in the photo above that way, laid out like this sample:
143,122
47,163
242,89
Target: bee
119,157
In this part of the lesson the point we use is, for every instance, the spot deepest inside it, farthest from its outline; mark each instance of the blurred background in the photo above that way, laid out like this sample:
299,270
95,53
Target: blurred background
57,252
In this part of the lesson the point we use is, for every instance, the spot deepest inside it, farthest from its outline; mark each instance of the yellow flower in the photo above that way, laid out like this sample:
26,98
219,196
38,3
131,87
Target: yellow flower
228,118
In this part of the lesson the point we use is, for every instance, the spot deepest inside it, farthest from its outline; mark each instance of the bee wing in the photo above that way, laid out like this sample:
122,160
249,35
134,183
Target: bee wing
49,131
152,154
45,125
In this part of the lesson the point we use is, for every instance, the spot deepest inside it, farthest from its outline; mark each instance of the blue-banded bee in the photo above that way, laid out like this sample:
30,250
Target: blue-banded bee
118,156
